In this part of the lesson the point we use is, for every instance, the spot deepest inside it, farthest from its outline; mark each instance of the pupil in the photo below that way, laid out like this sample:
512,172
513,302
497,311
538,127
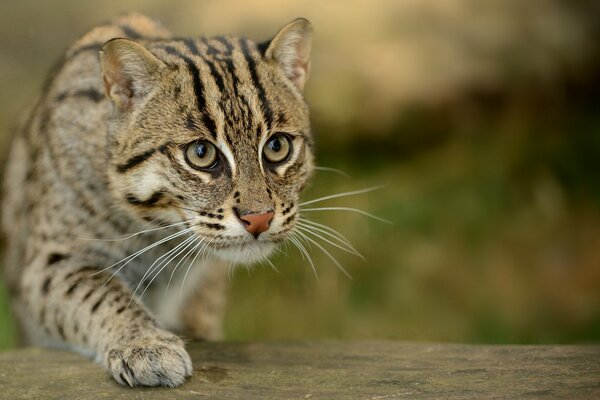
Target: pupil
275,145
201,150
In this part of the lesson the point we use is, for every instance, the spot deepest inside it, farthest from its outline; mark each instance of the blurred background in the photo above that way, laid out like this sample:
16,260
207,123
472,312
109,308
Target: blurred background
481,116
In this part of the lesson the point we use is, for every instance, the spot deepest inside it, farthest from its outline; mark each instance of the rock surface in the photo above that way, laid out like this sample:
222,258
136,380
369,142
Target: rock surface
325,370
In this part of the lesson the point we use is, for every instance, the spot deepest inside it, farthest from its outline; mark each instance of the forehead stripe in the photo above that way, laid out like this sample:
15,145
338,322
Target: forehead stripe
265,105
189,43
225,42
208,122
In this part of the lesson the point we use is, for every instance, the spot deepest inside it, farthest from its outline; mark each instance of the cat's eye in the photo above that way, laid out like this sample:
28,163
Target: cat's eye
278,148
201,155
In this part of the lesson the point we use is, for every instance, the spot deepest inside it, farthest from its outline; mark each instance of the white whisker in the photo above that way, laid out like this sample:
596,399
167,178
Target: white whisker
230,271
326,230
271,264
167,262
335,170
152,267
328,254
348,209
345,194
193,246
190,266
294,240
130,258
348,250
131,235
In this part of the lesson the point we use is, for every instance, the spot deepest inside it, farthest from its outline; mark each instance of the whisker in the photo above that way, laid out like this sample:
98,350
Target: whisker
129,236
375,217
294,240
335,170
166,263
230,271
345,194
302,238
152,267
190,266
194,245
184,208
321,227
351,251
328,255
137,253
271,264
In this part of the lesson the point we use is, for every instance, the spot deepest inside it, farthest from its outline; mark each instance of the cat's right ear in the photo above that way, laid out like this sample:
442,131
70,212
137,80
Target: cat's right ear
290,49
129,71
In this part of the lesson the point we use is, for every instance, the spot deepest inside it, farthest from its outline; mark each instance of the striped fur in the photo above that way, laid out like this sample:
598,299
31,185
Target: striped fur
102,157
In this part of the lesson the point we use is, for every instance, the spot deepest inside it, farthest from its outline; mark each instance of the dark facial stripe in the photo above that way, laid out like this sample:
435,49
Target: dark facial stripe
189,43
210,215
152,200
198,90
227,44
265,106
289,219
288,209
54,258
210,49
215,74
213,70
135,160
216,226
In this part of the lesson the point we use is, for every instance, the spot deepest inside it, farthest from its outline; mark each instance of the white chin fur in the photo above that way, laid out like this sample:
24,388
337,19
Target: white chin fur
247,253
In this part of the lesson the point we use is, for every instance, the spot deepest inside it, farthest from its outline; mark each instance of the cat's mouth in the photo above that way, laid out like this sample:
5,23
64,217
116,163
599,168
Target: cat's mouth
243,252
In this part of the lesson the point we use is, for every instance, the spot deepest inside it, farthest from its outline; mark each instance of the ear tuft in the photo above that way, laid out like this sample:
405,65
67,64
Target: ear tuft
128,71
290,49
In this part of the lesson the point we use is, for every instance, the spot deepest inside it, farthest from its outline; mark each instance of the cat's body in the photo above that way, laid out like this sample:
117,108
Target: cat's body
190,133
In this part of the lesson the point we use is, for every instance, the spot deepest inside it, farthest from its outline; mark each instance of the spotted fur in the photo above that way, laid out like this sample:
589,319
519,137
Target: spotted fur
102,156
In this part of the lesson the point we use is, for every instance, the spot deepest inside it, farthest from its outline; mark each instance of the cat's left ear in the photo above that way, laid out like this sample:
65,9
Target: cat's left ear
290,49
129,71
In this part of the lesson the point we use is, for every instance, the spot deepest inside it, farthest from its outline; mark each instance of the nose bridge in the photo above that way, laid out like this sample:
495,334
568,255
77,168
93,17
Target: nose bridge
254,194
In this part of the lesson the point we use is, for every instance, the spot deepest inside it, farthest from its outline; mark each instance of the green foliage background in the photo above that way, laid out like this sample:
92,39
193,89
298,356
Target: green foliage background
483,122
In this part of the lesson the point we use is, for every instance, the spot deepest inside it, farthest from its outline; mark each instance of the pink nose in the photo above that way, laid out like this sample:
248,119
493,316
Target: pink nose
257,223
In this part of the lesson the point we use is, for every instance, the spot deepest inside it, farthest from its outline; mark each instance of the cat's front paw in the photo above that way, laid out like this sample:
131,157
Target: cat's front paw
159,360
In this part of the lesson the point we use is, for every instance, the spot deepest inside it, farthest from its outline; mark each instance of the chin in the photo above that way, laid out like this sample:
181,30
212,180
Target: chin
246,253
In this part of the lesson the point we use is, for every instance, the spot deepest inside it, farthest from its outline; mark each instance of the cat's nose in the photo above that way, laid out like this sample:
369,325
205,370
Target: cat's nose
257,223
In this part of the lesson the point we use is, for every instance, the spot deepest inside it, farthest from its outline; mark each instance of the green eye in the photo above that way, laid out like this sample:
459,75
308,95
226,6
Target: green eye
201,155
277,148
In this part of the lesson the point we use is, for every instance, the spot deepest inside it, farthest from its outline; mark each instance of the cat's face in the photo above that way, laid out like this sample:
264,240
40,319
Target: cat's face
214,133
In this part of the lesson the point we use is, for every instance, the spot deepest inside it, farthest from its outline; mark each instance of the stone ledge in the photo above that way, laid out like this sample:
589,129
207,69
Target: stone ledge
325,370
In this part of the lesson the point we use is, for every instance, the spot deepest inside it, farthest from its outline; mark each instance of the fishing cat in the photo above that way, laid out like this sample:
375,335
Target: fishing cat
148,161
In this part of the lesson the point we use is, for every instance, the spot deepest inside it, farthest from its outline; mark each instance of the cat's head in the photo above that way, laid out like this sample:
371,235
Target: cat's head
214,132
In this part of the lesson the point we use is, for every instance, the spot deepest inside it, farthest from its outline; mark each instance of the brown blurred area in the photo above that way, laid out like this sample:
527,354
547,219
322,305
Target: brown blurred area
483,119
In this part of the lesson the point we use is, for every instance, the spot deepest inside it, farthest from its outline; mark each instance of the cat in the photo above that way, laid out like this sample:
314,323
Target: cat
148,164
